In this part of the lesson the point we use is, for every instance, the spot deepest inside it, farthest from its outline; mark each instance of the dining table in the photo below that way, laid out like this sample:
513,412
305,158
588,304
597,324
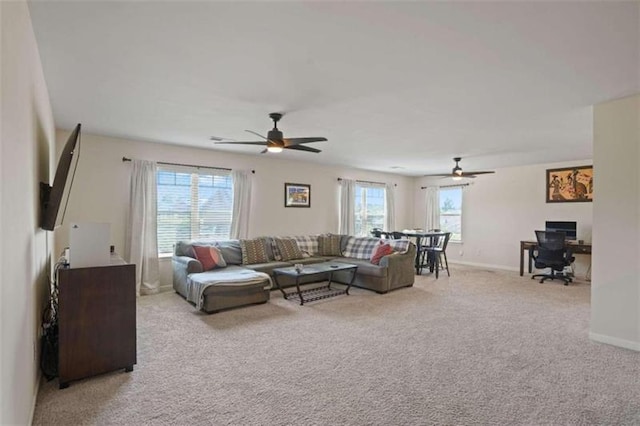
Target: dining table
421,237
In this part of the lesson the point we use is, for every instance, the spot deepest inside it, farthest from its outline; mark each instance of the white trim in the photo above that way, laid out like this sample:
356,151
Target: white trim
615,341
165,288
485,265
35,396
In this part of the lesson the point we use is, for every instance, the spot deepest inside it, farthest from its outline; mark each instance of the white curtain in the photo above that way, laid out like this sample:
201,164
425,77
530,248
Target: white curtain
347,224
241,203
141,240
432,217
390,206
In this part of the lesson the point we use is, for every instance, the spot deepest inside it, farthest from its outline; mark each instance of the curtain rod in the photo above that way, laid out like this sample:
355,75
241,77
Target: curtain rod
186,165
448,186
370,181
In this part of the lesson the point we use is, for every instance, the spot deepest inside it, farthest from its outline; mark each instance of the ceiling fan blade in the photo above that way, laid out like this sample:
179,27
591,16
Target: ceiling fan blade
245,143
439,175
303,148
298,141
476,173
257,134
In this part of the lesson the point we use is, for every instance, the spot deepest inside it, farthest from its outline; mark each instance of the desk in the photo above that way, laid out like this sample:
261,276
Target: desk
531,245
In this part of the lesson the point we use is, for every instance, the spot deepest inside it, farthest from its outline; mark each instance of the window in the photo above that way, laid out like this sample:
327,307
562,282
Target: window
369,208
451,212
193,204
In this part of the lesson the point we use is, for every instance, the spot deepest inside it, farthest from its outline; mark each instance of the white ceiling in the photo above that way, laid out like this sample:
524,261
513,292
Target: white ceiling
389,84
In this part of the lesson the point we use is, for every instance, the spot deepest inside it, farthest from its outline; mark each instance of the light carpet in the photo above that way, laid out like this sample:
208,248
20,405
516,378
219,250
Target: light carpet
479,348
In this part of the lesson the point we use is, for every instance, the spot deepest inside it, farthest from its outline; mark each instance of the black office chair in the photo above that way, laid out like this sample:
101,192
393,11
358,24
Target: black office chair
432,255
552,252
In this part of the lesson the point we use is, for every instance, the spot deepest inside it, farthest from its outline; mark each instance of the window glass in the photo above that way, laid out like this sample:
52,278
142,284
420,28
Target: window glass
193,206
451,212
369,209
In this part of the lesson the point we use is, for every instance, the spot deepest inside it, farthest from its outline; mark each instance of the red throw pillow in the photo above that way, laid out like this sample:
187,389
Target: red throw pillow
210,257
379,252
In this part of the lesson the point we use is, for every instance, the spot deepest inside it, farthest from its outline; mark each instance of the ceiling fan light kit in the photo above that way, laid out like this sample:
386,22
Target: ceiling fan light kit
275,141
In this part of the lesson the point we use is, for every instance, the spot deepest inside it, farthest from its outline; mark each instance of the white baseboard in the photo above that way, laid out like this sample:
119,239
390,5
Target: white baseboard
35,397
485,265
615,341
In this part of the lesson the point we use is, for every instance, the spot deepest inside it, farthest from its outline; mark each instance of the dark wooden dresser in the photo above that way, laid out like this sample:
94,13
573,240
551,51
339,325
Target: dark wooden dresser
97,320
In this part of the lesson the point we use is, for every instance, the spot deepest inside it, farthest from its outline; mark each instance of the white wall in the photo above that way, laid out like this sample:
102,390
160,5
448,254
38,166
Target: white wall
100,190
501,209
615,289
26,157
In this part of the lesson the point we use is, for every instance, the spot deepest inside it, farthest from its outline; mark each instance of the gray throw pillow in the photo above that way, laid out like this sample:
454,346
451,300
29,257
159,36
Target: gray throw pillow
231,251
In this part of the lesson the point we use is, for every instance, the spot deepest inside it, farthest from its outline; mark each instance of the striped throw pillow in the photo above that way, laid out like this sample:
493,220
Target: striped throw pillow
399,245
308,244
361,247
288,249
254,251
329,245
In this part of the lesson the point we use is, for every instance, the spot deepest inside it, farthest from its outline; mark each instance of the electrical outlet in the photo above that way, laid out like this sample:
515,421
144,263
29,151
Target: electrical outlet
461,252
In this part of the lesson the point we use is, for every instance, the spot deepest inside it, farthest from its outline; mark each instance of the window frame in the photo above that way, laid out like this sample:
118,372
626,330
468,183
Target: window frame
361,189
196,216
459,214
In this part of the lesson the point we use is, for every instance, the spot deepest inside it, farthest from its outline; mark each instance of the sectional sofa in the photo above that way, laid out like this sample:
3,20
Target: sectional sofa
218,292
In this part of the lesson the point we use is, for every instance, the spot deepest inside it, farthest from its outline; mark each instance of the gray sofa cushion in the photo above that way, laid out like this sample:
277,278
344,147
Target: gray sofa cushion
312,260
365,267
267,267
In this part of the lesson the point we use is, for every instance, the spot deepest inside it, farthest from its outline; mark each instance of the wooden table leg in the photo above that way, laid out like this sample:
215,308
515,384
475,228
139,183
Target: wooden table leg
522,259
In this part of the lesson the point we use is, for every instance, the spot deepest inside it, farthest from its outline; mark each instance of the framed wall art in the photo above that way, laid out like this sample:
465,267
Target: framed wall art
297,195
570,185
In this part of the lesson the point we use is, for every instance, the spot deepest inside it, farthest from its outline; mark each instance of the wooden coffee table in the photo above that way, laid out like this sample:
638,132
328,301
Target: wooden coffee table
315,293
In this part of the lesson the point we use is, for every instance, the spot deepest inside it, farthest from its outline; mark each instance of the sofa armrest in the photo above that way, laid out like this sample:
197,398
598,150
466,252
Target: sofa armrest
183,266
390,260
401,267
190,264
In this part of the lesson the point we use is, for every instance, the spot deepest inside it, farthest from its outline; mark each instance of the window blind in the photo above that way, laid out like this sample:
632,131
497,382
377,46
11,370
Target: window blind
193,204
369,207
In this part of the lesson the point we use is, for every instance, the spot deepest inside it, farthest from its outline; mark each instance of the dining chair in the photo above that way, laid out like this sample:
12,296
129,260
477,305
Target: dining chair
432,255
395,235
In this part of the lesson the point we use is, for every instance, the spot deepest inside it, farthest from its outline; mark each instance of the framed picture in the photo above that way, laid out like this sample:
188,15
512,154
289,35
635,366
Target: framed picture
297,195
570,185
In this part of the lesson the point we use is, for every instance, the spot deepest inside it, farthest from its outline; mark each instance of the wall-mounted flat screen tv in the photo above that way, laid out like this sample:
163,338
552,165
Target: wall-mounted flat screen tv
55,198
569,228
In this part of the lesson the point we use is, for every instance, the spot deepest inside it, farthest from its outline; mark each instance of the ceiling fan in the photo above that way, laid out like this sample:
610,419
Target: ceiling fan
457,173
275,142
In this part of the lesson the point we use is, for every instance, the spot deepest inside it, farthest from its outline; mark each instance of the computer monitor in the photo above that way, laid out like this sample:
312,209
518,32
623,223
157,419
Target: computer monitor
569,228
